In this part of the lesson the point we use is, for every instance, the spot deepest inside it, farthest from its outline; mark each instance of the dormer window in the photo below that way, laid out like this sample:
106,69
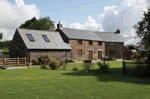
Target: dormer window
80,42
45,38
91,42
30,37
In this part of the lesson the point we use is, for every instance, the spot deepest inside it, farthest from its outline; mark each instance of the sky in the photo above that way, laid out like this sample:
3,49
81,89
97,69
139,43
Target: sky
94,15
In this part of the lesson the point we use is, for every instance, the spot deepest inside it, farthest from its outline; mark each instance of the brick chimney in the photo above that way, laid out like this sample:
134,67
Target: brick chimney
117,31
59,25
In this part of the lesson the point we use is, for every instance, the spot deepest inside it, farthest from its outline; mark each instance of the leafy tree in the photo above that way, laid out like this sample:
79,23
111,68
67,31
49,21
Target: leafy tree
1,36
5,44
28,23
143,29
42,24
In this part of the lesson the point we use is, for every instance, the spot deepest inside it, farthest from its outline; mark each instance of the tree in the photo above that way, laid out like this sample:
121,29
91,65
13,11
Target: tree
42,24
28,23
143,29
1,36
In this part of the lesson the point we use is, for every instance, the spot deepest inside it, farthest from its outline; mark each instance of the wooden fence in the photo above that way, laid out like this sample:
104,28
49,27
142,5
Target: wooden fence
13,62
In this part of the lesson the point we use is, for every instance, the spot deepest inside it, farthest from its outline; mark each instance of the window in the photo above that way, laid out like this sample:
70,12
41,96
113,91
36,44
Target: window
30,37
91,42
65,53
79,52
99,43
45,38
80,42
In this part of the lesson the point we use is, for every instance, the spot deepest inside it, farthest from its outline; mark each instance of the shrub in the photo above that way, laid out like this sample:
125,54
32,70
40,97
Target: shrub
103,66
43,66
87,61
44,59
55,64
87,66
35,61
114,59
75,68
71,61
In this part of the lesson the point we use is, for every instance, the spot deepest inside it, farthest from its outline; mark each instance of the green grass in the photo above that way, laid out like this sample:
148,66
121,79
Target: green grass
5,50
36,83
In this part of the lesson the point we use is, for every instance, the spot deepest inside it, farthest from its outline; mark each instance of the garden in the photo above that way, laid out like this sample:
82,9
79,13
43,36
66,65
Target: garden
90,81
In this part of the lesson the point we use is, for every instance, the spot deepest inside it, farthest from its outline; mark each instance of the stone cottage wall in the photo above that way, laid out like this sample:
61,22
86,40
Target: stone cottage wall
85,49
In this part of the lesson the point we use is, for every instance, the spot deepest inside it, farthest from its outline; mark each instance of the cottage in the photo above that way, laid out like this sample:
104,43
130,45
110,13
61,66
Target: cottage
92,45
36,43
66,43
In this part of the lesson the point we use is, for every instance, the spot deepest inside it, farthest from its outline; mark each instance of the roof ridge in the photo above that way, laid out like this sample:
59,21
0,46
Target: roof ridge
88,30
104,32
79,29
34,30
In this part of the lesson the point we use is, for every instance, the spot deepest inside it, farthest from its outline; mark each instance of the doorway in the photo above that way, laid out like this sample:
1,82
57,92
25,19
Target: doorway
99,54
90,54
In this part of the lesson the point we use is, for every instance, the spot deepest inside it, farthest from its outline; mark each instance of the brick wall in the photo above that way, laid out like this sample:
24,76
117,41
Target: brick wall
85,47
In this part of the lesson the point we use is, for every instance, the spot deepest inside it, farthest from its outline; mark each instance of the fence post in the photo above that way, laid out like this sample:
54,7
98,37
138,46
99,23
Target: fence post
4,62
25,60
17,60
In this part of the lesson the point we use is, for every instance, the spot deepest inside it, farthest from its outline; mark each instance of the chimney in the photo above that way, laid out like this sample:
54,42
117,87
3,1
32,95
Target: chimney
59,25
117,31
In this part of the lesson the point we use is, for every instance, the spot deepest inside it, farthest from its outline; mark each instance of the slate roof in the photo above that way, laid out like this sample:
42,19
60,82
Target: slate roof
80,34
56,41
92,35
110,36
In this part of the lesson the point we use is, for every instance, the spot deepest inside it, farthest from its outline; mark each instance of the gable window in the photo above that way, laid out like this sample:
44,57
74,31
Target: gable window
99,43
91,42
80,42
79,52
45,38
30,37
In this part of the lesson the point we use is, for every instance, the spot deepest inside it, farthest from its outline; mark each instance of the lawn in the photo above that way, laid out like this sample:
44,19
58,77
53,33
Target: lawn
36,83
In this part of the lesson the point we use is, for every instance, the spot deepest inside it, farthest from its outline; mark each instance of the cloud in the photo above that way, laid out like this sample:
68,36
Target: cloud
13,15
122,16
90,24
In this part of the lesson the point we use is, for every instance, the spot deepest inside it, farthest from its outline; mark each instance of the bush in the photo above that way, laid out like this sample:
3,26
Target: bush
87,66
35,61
104,67
55,64
43,66
69,61
44,59
87,61
142,70
114,59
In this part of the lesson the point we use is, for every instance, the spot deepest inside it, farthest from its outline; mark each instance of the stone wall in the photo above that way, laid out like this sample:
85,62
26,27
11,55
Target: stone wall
85,47
53,53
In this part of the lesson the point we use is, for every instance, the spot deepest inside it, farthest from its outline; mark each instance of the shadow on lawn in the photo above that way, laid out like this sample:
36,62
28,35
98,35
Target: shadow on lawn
114,75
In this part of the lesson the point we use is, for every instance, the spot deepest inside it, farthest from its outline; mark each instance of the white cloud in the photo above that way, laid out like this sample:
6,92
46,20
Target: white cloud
13,15
90,24
124,16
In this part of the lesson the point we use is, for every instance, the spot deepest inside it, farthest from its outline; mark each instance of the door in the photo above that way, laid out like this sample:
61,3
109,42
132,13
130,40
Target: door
99,54
90,54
